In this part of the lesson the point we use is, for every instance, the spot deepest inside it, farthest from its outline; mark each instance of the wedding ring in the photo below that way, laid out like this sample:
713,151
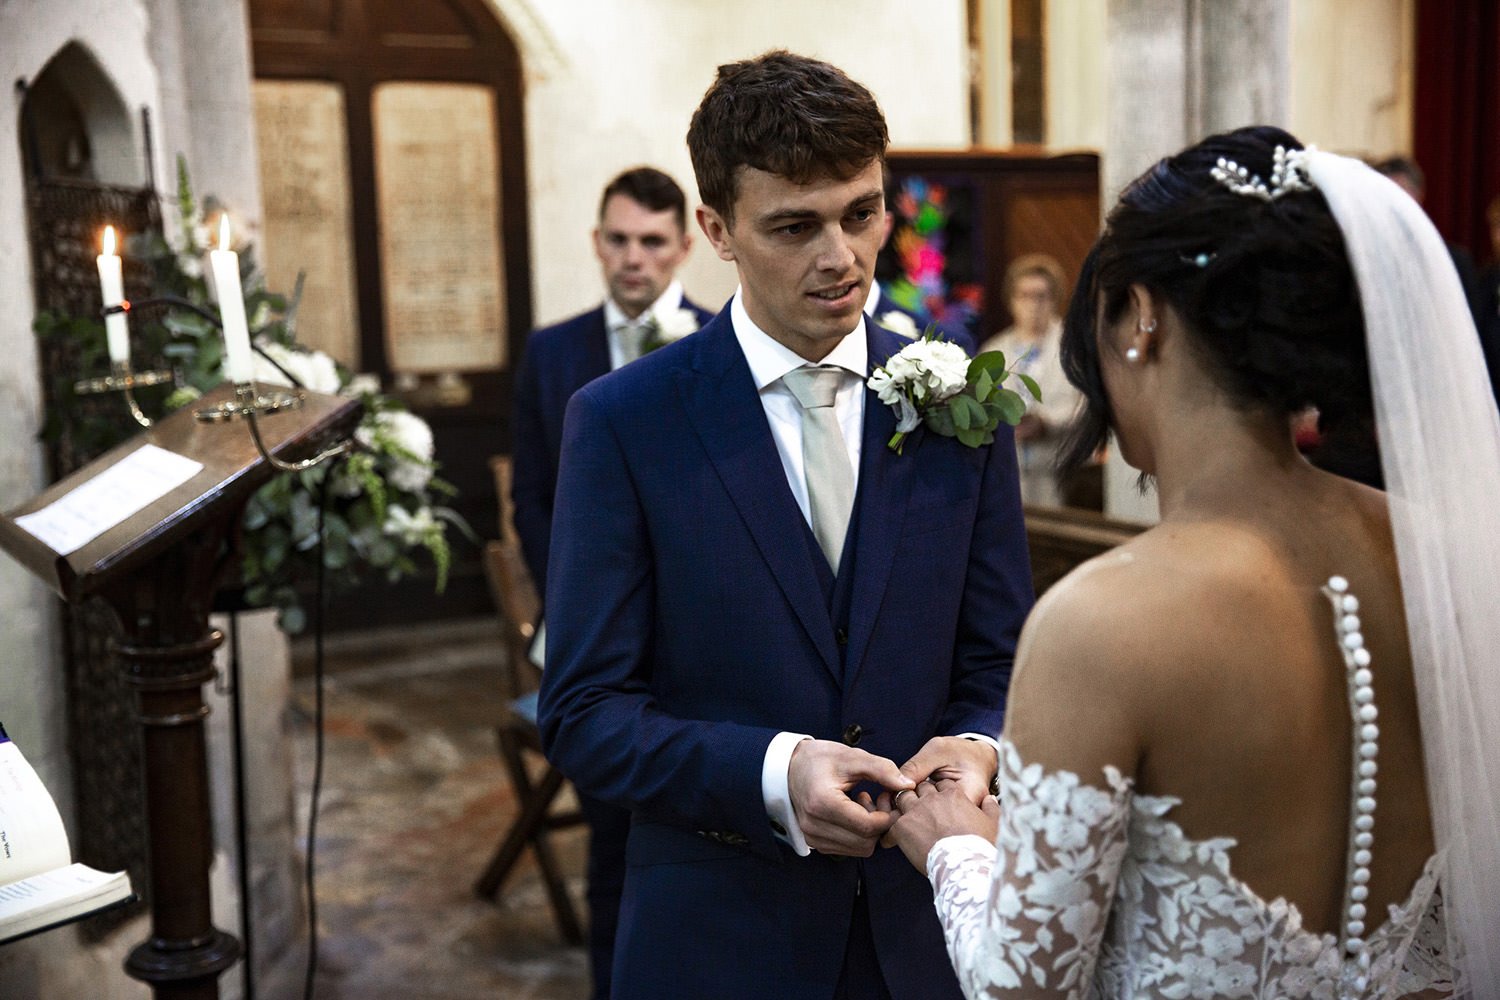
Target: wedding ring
896,800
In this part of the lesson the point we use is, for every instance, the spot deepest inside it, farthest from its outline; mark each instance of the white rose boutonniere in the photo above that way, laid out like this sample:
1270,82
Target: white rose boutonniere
669,328
934,383
901,324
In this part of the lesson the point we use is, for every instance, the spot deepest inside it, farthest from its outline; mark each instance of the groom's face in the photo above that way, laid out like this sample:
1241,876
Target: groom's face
805,253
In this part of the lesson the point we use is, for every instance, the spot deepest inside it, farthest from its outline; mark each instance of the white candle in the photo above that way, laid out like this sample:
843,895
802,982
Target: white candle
116,328
226,268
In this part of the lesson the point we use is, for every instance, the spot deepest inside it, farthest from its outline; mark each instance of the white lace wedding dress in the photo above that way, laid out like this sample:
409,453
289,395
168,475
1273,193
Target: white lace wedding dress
1093,892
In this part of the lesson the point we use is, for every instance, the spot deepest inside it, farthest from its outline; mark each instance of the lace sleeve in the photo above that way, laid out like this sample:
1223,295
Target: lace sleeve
1025,917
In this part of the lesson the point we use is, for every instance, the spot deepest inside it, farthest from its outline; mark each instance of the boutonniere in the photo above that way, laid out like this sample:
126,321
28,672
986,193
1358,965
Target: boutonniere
932,382
668,329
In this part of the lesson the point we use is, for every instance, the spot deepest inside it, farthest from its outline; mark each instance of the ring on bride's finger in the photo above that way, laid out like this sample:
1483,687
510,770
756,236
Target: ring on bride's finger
896,799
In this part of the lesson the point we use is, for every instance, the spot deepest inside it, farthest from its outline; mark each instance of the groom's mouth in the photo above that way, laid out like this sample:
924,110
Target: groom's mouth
835,298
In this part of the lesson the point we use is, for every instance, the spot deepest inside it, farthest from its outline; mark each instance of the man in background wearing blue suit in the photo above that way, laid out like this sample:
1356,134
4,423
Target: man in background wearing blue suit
641,240
757,607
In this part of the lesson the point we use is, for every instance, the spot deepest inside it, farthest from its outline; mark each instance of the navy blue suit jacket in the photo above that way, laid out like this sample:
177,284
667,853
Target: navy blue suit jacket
558,361
689,621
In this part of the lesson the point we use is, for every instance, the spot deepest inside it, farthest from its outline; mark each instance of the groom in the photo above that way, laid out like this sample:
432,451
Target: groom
756,607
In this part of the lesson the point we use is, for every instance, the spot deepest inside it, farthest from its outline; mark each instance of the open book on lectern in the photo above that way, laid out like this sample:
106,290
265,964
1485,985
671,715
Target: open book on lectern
40,886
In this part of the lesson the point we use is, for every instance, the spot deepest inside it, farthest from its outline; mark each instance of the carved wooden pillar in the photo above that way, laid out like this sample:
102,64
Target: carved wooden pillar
166,648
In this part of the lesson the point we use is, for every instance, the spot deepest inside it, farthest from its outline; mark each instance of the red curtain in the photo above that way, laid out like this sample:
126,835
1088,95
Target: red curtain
1456,134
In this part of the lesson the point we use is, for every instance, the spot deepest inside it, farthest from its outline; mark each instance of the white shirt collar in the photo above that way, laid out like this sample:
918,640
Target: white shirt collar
669,300
873,299
769,359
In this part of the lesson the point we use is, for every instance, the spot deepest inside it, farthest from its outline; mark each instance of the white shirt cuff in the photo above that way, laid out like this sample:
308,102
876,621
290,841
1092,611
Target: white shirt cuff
777,796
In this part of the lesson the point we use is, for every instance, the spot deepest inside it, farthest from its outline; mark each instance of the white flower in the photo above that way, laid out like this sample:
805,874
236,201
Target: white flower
675,325
410,434
410,528
190,265
314,369
900,324
363,384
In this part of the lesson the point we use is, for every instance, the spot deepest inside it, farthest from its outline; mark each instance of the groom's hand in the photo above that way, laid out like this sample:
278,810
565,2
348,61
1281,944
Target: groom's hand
819,777
955,761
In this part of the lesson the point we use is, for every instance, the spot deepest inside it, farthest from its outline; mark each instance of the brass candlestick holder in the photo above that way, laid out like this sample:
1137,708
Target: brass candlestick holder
123,379
250,403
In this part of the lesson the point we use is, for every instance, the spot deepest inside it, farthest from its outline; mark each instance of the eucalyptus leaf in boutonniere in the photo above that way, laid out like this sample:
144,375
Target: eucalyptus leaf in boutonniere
668,329
932,382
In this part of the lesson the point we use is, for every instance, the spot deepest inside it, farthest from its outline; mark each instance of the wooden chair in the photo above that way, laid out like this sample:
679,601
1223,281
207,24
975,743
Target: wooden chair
518,605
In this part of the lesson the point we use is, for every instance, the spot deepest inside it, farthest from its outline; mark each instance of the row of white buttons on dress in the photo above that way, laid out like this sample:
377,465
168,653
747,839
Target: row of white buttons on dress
1366,749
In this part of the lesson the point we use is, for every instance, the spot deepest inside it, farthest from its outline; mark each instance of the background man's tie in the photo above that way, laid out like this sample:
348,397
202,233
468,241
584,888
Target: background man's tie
825,457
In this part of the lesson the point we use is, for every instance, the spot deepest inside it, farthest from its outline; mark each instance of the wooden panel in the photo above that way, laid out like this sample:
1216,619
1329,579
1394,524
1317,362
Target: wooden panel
302,20
1060,222
429,24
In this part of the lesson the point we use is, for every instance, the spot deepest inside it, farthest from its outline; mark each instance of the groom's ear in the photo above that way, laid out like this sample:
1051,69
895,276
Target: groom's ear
716,231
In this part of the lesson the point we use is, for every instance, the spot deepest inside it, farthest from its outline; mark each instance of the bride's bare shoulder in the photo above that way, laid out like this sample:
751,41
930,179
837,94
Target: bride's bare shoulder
1169,587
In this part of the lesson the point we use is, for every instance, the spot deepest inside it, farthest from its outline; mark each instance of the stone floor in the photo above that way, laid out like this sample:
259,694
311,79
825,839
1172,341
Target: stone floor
414,801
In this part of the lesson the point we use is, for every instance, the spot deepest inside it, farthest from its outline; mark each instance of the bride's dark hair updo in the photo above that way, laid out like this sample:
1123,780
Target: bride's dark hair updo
1264,289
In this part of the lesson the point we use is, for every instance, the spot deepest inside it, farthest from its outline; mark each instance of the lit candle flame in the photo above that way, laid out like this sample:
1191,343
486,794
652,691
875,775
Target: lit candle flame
109,241
224,231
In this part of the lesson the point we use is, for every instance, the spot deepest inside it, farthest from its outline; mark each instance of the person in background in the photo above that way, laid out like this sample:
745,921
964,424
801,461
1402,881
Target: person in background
756,605
1034,289
641,240
1410,178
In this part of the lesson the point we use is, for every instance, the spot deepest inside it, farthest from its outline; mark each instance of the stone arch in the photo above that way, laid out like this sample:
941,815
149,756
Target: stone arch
76,125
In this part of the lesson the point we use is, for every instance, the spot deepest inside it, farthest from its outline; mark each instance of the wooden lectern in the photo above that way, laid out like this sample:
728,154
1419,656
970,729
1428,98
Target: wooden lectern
157,571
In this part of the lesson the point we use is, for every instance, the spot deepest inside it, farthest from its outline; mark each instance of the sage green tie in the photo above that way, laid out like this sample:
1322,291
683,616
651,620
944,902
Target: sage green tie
825,456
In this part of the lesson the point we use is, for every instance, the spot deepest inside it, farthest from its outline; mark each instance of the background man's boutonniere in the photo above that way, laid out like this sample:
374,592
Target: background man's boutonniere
668,329
900,323
933,382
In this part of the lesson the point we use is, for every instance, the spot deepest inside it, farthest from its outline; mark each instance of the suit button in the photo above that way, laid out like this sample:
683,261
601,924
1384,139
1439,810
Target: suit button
841,637
852,733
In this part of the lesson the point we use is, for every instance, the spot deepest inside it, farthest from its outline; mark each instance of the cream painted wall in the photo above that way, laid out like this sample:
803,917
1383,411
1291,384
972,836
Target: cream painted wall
1076,38
612,85
1352,75
31,695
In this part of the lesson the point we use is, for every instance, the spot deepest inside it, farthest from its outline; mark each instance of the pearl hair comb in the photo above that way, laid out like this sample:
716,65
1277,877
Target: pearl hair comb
1288,174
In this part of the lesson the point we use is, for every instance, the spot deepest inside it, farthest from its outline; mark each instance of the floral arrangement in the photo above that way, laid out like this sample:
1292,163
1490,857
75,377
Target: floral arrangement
668,329
923,232
382,503
934,383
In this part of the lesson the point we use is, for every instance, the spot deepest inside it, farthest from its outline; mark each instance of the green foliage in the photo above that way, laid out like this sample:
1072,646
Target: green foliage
379,508
972,414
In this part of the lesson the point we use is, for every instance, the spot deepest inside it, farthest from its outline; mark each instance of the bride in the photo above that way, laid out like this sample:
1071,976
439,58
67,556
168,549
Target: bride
1212,780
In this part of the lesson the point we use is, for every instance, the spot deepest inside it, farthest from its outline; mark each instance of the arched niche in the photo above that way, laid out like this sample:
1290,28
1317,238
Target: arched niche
76,126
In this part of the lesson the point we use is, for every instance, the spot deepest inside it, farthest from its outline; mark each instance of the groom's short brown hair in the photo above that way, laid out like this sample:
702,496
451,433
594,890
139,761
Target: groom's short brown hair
788,115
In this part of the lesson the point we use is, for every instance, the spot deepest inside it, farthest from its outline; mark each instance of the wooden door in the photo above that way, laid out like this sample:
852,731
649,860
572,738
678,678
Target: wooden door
393,156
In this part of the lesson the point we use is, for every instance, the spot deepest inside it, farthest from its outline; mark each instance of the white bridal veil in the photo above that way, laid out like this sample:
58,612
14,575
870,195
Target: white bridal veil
1440,449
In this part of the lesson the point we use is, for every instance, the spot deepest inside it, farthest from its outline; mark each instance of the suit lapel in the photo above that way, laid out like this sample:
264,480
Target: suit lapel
730,422
885,481
593,360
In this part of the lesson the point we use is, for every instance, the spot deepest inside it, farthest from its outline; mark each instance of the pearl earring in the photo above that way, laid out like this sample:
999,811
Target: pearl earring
1132,354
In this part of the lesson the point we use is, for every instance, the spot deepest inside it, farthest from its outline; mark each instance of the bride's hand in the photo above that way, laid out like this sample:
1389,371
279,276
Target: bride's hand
929,814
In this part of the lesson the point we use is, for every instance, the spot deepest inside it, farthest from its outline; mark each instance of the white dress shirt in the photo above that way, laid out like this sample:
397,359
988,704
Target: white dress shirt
769,361
625,332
